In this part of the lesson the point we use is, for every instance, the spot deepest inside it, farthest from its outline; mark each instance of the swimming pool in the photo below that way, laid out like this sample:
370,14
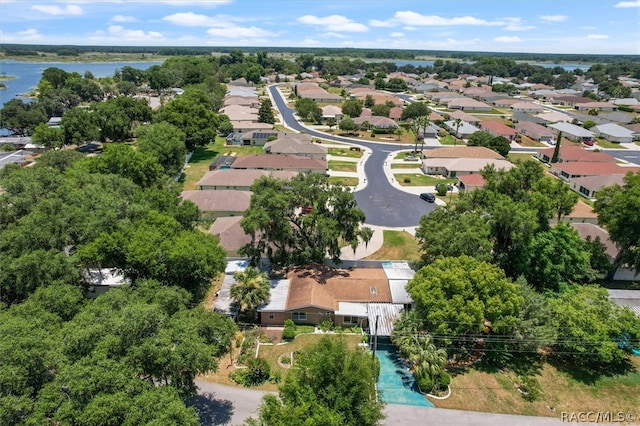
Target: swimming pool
396,383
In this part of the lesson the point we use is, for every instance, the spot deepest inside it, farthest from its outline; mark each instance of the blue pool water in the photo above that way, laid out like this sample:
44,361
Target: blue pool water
396,383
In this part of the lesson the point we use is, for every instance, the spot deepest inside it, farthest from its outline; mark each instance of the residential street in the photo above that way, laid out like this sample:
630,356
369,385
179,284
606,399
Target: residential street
226,405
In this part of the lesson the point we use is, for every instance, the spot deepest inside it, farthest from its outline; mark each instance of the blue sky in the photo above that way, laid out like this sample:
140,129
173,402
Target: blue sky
544,26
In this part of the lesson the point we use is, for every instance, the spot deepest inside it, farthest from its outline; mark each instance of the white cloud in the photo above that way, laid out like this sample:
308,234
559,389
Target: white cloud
410,18
626,4
553,18
123,19
21,36
507,39
597,36
334,23
120,35
333,35
515,24
70,9
190,19
396,34
239,32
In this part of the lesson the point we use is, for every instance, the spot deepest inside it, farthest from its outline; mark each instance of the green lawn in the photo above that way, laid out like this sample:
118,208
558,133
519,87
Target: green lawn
345,152
346,181
407,165
603,143
520,156
418,179
450,140
204,155
405,154
343,166
397,245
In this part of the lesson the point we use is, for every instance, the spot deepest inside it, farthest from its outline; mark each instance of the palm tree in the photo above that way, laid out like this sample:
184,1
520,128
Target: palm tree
457,124
428,360
419,123
252,289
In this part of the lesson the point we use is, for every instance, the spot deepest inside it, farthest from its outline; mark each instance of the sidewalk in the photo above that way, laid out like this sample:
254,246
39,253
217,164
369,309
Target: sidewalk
361,252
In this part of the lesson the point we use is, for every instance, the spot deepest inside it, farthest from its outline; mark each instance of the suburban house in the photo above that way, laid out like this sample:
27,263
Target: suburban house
255,137
614,132
219,203
240,113
249,126
581,213
240,180
465,160
297,144
496,128
248,101
568,171
230,234
101,280
431,132
599,106
471,182
574,133
518,117
472,119
535,131
270,162
529,107
554,117
316,93
377,122
347,297
572,153
463,132
589,186
332,111
468,104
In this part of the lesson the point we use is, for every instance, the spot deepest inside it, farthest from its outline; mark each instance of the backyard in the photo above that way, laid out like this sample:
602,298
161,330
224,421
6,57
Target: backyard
397,245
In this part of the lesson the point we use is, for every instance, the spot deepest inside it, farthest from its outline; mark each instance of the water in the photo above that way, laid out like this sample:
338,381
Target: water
396,383
568,67
28,74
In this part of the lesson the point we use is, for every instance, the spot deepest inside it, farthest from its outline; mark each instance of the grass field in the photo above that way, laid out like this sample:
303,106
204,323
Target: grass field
397,245
343,166
408,165
491,390
450,140
603,143
519,156
345,152
530,143
346,181
418,179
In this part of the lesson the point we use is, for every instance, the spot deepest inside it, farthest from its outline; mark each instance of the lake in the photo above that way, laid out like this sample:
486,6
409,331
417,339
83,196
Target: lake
568,67
28,74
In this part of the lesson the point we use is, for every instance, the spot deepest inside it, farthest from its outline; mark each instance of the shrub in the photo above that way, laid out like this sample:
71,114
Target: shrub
444,380
258,372
289,332
530,388
441,189
238,376
407,180
326,325
275,378
285,359
425,383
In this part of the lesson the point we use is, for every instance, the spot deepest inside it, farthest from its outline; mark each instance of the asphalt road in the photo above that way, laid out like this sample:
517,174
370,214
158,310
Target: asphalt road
225,405
382,203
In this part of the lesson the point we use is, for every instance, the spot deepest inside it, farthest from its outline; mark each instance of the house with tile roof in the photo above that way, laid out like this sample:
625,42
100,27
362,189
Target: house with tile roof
573,153
599,106
377,122
463,152
471,182
468,104
529,107
315,92
454,167
554,117
535,131
472,119
569,171
574,133
496,128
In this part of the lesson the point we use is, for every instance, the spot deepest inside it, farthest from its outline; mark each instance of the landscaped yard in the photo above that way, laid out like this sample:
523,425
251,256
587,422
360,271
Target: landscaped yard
345,152
493,391
346,181
397,245
528,142
204,155
450,140
520,156
343,166
603,143
419,179
407,165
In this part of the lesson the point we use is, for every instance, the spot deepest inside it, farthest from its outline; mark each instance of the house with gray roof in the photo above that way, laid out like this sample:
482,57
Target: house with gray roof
614,132
589,186
574,133
464,131
535,131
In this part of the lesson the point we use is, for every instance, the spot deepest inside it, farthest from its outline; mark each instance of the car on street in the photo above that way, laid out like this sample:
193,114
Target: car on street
429,198
411,158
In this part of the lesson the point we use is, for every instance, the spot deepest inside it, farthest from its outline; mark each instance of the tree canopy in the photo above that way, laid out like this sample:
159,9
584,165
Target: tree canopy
301,220
330,384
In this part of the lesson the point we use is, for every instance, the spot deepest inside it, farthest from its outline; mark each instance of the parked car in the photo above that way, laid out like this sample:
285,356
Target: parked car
429,198
411,158
588,142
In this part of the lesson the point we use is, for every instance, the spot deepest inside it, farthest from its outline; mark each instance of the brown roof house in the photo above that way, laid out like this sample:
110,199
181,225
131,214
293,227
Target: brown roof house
572,153
230,234
316,293
471,182
219,203
296,163
589,186
297,144
535,131
578,169
238,180
465,160
468,104
496,128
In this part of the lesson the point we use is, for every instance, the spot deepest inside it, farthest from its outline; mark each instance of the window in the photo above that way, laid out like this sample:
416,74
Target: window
350,320
584,191
271,316
299,316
